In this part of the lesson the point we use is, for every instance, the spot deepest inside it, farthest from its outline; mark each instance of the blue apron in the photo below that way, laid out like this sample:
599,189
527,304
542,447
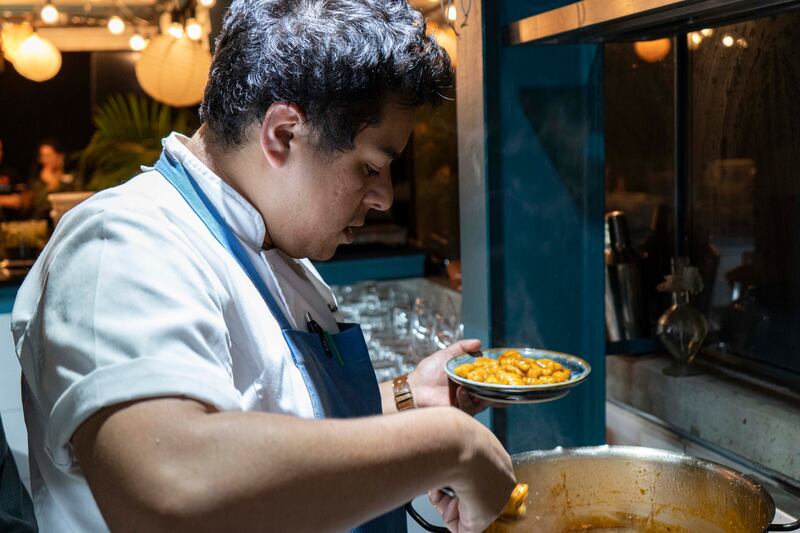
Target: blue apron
336,367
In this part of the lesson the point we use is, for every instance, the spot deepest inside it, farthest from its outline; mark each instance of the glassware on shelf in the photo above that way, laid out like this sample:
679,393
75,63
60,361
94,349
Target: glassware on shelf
422,330
682,328
23,239
402,324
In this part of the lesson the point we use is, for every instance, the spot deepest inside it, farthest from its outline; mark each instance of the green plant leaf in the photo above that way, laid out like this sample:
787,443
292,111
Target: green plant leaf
129,129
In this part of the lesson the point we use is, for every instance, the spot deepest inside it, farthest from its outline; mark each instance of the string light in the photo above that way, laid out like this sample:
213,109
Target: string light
452,13
116,25
176,30
693,40
727,41
49,14
137,42
194,30
707,32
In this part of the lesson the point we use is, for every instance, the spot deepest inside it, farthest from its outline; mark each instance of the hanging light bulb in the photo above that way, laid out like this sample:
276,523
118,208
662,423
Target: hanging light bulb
137,42
452,13
727,41
707,32
176,30
49,14
208,3
194,30
653,51
37,59
12,36
174,71
116,25
693,40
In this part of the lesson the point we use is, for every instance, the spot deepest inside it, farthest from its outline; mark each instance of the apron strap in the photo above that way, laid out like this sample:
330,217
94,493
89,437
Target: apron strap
176,174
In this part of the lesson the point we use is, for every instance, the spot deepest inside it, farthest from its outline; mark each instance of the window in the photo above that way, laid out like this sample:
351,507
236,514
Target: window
743,141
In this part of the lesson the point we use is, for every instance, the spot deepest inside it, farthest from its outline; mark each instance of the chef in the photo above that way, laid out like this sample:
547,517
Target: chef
183,366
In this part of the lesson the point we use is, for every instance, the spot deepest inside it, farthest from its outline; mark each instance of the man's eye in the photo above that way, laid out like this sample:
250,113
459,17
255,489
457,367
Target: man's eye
372,172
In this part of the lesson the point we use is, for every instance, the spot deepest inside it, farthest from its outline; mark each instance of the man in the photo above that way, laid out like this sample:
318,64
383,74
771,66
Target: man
184,369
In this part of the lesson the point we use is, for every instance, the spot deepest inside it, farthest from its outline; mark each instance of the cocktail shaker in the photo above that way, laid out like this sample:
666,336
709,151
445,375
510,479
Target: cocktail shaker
624,303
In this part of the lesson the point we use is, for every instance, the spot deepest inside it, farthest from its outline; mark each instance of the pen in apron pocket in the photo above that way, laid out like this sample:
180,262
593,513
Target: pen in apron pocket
328,344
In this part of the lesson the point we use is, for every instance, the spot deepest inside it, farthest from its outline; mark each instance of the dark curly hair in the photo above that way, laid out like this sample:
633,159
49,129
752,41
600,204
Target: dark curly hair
340,61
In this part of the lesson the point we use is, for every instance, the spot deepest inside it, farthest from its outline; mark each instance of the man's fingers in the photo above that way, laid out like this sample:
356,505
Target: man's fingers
450,515
463,346
468,403
443,504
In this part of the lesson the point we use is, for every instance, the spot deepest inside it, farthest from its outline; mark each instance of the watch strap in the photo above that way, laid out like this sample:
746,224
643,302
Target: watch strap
403,398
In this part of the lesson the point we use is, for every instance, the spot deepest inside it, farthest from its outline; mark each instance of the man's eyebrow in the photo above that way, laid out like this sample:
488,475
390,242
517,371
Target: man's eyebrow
390,152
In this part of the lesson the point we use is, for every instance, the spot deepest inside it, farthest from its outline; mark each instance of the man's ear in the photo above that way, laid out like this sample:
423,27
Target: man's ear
282,122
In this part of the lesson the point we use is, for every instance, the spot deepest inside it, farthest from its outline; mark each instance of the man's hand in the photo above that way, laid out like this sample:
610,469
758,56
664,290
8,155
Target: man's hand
432,388
487,482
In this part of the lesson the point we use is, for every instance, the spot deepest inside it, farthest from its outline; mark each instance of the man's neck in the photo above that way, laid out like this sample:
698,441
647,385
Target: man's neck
224,164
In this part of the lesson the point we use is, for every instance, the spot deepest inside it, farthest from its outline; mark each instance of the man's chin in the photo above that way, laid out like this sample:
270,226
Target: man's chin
325,254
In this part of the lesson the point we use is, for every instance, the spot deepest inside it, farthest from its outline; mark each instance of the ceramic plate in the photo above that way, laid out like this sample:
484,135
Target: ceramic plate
518,394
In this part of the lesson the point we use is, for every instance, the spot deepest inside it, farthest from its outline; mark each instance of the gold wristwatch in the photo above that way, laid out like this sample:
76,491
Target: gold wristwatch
403,398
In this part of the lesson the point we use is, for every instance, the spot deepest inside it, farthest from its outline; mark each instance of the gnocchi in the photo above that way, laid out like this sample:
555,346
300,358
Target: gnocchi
511,368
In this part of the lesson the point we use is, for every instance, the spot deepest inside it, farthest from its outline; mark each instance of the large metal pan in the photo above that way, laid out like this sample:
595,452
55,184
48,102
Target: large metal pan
639,490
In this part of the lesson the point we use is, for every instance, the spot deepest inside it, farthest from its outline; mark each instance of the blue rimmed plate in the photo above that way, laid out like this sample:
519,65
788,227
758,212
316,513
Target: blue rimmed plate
518,394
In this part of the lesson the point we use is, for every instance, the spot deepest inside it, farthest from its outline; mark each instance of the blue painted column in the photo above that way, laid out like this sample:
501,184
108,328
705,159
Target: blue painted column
543,201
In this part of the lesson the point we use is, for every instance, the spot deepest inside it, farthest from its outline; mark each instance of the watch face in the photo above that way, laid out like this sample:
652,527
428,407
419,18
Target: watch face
403,398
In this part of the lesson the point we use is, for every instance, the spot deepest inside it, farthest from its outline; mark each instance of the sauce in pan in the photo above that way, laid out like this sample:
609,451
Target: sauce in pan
605,524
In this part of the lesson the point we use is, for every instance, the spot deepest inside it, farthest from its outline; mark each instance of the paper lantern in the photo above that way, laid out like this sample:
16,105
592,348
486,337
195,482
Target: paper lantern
37,59
174,71
13,35
652,51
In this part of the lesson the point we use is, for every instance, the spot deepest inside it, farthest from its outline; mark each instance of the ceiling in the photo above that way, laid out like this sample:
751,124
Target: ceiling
82,23
90,12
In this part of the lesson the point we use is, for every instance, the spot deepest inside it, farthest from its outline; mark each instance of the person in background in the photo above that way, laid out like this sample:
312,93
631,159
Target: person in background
49,177
10,186
30,200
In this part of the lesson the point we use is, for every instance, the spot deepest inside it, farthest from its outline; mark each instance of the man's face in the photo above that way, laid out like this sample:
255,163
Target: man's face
324,196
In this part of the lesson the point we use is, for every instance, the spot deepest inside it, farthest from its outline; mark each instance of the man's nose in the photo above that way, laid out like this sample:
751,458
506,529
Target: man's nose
381,193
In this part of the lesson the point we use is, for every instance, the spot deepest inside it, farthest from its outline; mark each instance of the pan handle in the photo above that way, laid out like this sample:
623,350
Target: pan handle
422,522
783,527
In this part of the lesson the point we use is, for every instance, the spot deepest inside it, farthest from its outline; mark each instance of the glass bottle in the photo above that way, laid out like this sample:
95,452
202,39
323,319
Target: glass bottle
682,328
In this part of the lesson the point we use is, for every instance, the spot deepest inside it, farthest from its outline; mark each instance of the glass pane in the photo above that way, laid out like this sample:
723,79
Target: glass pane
639,131
745,227
639,87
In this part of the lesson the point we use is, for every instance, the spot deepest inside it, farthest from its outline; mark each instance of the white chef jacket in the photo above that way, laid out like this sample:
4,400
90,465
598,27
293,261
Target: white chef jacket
133,298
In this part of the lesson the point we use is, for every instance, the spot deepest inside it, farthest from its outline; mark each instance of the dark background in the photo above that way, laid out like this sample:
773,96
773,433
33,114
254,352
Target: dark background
60,107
